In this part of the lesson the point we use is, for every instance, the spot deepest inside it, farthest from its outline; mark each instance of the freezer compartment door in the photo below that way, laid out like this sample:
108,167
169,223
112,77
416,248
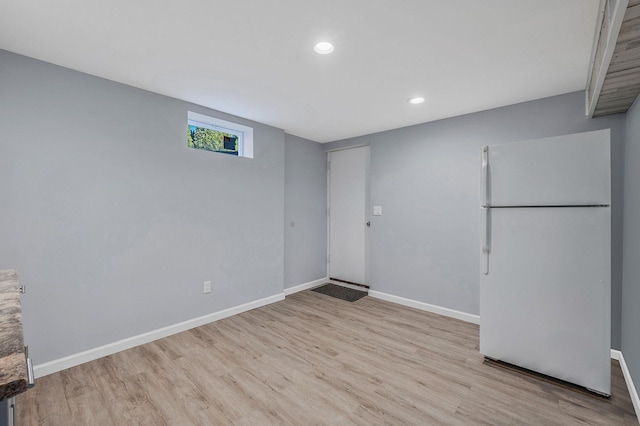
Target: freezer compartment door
545,303
565,170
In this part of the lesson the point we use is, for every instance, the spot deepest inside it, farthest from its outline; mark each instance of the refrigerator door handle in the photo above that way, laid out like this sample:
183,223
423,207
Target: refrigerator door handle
485,177
486,226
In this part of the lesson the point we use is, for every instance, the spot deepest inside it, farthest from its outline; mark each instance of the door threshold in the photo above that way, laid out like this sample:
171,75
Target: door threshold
349,284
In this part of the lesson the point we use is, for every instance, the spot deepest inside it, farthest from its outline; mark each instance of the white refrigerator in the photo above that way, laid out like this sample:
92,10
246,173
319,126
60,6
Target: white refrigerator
545,281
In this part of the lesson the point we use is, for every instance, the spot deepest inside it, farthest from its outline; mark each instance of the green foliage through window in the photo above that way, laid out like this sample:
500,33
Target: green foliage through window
211,140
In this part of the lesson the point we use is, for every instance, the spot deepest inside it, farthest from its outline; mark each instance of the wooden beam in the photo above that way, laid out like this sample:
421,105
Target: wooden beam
604,47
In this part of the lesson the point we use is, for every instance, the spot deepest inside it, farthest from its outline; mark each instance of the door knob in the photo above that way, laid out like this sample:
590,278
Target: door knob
368,223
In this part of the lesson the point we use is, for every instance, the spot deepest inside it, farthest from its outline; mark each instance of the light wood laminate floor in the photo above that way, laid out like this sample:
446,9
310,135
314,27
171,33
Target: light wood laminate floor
313,359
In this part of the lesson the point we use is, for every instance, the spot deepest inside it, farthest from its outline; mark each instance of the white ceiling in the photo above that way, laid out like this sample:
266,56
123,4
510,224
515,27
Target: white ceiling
255,58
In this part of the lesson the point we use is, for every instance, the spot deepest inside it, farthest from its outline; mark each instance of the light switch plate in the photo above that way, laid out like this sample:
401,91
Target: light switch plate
377,210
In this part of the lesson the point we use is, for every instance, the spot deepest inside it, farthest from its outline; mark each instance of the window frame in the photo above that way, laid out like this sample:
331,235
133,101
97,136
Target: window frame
244,133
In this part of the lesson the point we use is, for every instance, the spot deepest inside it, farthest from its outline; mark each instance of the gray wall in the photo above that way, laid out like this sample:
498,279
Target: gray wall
113,223
631,262
425,247
305,205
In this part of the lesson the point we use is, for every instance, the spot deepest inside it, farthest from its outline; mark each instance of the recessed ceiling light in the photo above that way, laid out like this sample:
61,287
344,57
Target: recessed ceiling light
415,101
323,47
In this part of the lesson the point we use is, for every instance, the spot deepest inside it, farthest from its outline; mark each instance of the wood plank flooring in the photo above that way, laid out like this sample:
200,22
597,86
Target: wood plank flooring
313,359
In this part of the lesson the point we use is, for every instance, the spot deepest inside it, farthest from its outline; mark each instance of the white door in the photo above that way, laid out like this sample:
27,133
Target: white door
348,198
545,301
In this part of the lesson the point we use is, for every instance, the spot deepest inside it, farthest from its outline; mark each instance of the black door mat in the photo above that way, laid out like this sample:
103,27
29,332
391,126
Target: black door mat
339,292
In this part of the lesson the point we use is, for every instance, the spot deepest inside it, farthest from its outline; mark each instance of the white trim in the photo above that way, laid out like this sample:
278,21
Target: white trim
474,319
594,51
633,393
130,342
329,156
305,286
350,147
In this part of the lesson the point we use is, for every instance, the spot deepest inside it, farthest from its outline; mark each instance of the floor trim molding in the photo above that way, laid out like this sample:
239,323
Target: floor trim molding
474,319
633,393
60,364
305,286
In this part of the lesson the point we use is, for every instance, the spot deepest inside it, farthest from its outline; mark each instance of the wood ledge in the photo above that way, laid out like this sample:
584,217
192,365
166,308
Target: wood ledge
13,367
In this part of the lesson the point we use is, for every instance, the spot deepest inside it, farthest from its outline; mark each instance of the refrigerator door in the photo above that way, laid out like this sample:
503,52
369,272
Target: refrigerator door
565,170
545,303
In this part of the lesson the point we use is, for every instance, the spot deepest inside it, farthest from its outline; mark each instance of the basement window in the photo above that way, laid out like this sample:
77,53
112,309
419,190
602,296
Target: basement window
216,135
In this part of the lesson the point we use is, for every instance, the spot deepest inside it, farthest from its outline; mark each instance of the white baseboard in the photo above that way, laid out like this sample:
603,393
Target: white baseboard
474,319
130,342
627,378
305,286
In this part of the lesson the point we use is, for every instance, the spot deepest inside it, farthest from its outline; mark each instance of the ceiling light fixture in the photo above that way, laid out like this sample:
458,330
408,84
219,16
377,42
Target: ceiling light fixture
415,101
323,47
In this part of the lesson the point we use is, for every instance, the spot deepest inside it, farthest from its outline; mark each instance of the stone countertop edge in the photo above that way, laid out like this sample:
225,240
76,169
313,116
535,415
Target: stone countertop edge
13,364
